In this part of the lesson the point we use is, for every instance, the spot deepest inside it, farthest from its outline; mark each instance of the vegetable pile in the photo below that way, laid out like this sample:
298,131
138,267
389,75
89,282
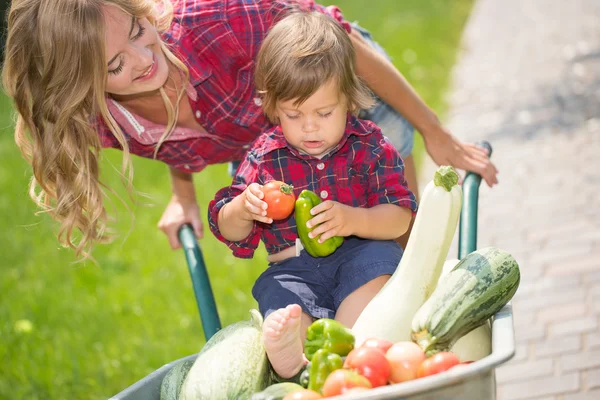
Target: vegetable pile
428,319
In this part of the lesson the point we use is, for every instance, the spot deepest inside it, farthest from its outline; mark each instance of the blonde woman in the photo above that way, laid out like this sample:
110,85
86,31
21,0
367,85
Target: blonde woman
170,80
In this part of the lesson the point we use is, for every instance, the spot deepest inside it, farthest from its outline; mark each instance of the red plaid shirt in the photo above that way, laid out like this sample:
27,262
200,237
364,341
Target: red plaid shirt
363,170
218,41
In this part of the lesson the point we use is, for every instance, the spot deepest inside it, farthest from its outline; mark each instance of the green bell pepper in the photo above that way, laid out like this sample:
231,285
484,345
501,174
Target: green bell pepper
304,203
323,363
330,335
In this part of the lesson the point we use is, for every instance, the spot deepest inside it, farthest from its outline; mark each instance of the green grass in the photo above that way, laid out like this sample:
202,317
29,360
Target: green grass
86,331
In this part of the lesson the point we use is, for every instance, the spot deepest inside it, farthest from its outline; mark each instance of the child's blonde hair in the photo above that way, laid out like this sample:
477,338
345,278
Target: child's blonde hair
301,53
55,71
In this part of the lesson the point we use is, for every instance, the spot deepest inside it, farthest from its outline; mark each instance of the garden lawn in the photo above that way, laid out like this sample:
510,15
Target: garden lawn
86,331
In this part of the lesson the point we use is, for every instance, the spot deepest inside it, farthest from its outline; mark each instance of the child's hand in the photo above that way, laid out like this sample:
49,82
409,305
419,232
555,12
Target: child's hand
253,204
332,219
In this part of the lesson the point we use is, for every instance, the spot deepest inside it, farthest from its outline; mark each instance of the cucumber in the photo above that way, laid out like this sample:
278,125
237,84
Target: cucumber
277,391
476,289
173,380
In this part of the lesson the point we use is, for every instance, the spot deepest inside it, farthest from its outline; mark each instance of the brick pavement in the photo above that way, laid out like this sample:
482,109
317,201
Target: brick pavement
528,80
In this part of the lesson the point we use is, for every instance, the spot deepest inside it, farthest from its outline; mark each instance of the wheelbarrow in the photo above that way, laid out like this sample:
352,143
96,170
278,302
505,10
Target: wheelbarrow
476,381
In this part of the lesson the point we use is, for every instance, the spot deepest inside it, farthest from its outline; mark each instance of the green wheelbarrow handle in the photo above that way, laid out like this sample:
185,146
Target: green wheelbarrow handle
200,281
467,232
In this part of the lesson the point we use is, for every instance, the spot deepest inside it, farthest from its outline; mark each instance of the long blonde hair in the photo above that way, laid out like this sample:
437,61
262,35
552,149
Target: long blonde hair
55,71
300,54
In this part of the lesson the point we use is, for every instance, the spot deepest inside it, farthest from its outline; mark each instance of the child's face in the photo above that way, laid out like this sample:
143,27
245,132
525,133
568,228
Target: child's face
317,125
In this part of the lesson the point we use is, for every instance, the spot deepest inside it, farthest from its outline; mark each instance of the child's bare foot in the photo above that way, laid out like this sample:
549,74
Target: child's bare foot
283,342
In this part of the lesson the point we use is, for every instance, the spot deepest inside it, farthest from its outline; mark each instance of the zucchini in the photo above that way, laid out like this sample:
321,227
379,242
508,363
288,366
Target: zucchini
232,365
477,288
476,344
389,314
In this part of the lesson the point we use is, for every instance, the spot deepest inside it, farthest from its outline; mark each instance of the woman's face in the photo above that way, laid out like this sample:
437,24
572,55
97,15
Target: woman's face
136,64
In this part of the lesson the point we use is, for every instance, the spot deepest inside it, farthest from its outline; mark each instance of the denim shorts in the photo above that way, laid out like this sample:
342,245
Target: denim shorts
320,284
393,125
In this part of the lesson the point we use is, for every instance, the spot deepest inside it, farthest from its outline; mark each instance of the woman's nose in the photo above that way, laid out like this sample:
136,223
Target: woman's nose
144,57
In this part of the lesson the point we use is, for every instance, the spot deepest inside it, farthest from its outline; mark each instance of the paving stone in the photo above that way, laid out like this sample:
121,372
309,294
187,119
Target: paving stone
527,333
525,370
551,299
592,378
521,353
537,387
556,346
573,326
587,263
593,340
562,312
583,360
592,395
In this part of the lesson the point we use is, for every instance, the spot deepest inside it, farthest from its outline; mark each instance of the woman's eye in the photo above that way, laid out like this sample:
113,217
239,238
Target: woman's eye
117,70
140,31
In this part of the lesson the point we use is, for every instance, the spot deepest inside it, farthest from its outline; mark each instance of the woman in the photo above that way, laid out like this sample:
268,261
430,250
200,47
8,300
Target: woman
171,80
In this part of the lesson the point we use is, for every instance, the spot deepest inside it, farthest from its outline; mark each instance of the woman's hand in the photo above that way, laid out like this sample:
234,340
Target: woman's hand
445,149
179,212
332,219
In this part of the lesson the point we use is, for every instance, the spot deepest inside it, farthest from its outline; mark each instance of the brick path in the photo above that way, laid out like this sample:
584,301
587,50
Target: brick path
528,80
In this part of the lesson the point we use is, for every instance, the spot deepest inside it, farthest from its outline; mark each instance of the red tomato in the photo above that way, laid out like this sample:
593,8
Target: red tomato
303,394
342,381
438,363
380,344
370,363
280,199
405,359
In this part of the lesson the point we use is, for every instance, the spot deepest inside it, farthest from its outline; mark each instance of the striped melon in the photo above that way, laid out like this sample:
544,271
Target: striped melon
477,288
232,365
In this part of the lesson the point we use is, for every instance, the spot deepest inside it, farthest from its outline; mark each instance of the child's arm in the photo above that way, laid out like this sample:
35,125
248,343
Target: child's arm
236,218
381,222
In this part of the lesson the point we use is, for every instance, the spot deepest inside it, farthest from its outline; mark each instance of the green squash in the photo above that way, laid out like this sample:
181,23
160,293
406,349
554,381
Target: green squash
173,380
476,289
232,365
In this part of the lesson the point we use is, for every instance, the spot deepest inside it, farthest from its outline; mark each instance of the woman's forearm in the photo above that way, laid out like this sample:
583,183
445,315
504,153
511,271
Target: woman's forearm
382,222
390,85
182,185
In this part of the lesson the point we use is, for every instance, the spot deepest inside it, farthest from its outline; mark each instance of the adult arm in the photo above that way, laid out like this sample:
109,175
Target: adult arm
390,85
182,208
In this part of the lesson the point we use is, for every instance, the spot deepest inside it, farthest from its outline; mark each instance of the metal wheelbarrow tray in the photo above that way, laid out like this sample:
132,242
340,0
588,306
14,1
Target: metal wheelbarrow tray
475,381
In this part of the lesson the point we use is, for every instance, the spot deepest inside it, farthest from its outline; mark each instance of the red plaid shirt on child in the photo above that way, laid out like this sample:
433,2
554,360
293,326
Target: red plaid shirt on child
218,41
363,170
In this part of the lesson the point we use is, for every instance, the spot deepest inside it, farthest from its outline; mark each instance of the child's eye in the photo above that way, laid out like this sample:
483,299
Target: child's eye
292,116
325,115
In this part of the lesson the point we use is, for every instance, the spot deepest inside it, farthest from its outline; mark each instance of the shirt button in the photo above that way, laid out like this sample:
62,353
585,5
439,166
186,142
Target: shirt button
320,166
198,114
186,166
258,101
324,194
246,146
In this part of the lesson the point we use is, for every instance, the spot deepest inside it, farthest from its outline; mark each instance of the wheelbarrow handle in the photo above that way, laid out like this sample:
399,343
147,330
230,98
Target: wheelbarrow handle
467,233
200,281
